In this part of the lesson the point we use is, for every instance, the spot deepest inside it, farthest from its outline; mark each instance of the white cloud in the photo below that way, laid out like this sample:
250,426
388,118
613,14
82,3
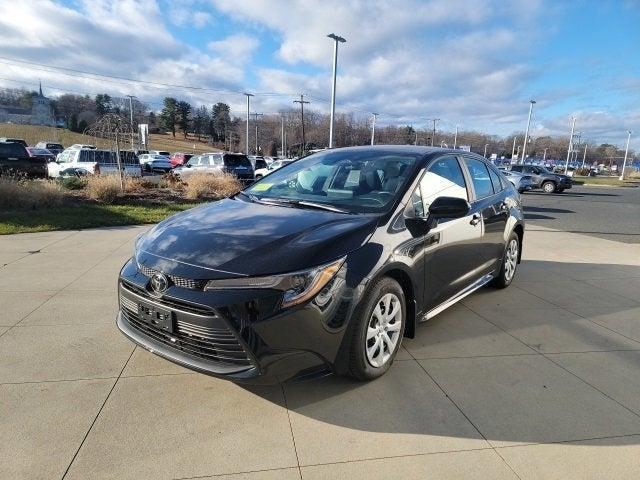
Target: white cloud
237,48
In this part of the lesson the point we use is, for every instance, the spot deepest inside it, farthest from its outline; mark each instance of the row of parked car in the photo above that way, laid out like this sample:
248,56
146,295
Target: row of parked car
47,159
532,177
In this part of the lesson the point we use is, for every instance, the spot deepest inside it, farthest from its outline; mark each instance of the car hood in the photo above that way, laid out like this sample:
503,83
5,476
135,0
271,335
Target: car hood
237,238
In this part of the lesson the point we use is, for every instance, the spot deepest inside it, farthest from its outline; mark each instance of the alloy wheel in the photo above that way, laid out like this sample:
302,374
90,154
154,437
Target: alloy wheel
511,260
383,330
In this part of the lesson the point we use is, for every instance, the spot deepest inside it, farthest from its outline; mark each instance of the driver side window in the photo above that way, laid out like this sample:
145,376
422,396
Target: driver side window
444,178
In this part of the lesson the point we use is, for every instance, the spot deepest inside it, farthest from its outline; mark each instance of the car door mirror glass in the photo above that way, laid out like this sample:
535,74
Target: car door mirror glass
449,207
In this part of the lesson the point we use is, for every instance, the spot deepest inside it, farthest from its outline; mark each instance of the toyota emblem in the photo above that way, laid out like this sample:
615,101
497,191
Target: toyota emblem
159,283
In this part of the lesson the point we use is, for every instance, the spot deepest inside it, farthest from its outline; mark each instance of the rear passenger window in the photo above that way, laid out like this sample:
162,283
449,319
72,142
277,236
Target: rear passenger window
495,180
480,178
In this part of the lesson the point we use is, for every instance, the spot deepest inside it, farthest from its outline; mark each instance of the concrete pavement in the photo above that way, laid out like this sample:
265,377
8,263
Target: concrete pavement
539,381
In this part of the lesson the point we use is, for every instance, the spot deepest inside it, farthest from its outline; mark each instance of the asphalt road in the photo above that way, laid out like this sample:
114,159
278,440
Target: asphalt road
606,212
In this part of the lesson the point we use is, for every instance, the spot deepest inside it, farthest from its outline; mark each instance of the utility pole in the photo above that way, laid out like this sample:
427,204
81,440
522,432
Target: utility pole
373,128
574,157
544,156
415,142
336,39
513,149
573,127
526,133
584,155
249,95
255,116
282,135
131,97
435,120
626,154
455,139
302,101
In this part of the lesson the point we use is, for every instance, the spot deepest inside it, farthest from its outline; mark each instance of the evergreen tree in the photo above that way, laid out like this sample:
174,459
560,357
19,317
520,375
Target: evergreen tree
183,110
169,115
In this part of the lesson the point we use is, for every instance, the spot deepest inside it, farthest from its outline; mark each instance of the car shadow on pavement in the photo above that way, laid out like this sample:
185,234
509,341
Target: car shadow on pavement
553,358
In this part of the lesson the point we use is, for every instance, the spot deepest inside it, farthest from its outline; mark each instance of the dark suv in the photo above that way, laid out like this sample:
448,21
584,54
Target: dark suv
15,160
548,181
322,266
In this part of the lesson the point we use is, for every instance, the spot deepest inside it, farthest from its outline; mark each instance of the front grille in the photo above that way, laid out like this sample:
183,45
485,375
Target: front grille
177,281
216,344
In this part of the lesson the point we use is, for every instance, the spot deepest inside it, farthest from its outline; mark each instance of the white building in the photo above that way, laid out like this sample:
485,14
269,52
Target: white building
40,113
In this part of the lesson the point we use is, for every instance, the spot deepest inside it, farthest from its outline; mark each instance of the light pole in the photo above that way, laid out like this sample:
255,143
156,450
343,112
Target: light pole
573,127
131,97
526,133
282,135
249,95
373,128
455,138
513,149
336,40
544,156
433,136
256,115
626,154
584,155
485,150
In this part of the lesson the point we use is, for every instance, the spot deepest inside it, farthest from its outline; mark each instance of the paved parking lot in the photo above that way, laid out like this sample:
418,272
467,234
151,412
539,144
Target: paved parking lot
538,381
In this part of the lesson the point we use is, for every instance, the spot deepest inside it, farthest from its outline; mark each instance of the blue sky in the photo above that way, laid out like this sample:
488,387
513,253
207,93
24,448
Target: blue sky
473,63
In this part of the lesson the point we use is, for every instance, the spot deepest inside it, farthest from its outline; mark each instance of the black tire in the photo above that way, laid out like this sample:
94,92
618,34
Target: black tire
258,177
360,366
548,187
505,276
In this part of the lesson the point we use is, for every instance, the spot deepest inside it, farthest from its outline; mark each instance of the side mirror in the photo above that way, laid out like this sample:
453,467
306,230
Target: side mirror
449,207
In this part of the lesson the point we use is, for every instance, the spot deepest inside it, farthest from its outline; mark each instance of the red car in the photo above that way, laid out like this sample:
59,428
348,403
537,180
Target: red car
178,159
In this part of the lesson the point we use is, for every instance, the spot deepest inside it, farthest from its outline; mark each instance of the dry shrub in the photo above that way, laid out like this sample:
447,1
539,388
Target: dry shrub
29,194
203,185
103,188
635,174
170,180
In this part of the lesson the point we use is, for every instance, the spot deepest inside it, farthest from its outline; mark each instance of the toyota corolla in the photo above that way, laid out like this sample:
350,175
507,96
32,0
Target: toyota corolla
324,265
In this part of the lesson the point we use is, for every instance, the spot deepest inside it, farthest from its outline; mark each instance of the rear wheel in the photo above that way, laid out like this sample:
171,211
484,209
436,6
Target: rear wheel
378,330
509,262
548,187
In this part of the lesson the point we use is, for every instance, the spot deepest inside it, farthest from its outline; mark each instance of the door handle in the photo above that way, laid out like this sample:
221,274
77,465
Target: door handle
475,220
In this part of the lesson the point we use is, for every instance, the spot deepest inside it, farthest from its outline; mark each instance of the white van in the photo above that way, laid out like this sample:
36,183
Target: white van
94,162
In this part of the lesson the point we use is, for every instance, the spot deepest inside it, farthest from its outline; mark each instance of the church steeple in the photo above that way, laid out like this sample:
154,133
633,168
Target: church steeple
40,90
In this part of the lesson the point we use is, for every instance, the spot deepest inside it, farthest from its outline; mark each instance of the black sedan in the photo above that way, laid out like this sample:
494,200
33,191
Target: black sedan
322,266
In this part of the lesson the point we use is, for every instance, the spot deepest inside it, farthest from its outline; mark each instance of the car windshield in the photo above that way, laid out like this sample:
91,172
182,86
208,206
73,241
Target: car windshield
352,180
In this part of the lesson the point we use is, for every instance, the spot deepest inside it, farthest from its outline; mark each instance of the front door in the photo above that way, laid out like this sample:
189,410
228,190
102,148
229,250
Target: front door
451,251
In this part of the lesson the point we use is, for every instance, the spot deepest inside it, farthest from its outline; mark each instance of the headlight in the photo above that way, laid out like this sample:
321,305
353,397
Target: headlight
298,287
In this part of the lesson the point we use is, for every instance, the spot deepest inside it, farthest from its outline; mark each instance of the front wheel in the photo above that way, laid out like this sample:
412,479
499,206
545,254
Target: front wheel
509,262
378,330
548,187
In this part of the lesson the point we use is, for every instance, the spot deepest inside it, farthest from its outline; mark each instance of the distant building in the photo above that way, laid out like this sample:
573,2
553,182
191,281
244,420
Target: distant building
40,113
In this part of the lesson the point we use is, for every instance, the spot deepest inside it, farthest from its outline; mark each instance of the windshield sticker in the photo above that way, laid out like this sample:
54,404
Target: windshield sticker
262,187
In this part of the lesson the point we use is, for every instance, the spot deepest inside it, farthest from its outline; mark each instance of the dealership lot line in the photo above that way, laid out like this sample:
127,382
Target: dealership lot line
541,380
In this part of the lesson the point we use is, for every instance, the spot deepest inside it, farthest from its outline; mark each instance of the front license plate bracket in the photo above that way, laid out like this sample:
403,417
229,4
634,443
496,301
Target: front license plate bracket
159,318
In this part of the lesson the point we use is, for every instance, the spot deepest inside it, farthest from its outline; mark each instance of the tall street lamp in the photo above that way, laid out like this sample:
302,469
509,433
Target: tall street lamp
455,139
626,154
573,129
526,133
336,40
249,95
373,128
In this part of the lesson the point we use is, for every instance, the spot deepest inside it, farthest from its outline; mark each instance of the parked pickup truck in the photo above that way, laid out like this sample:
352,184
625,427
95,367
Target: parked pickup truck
15,160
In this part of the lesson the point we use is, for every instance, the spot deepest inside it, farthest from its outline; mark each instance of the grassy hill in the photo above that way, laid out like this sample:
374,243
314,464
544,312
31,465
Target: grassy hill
33,134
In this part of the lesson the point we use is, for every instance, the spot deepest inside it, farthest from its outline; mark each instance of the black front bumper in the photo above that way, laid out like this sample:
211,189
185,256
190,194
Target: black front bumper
240,335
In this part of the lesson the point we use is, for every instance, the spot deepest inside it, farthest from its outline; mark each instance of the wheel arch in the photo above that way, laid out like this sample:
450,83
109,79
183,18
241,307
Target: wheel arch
519,230
408,288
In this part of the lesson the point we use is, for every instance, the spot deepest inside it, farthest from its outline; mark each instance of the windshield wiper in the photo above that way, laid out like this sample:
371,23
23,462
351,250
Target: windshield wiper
302,204
251,197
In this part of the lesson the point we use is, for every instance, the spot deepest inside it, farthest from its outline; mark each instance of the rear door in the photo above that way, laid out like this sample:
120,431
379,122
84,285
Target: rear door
489,203
451,251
